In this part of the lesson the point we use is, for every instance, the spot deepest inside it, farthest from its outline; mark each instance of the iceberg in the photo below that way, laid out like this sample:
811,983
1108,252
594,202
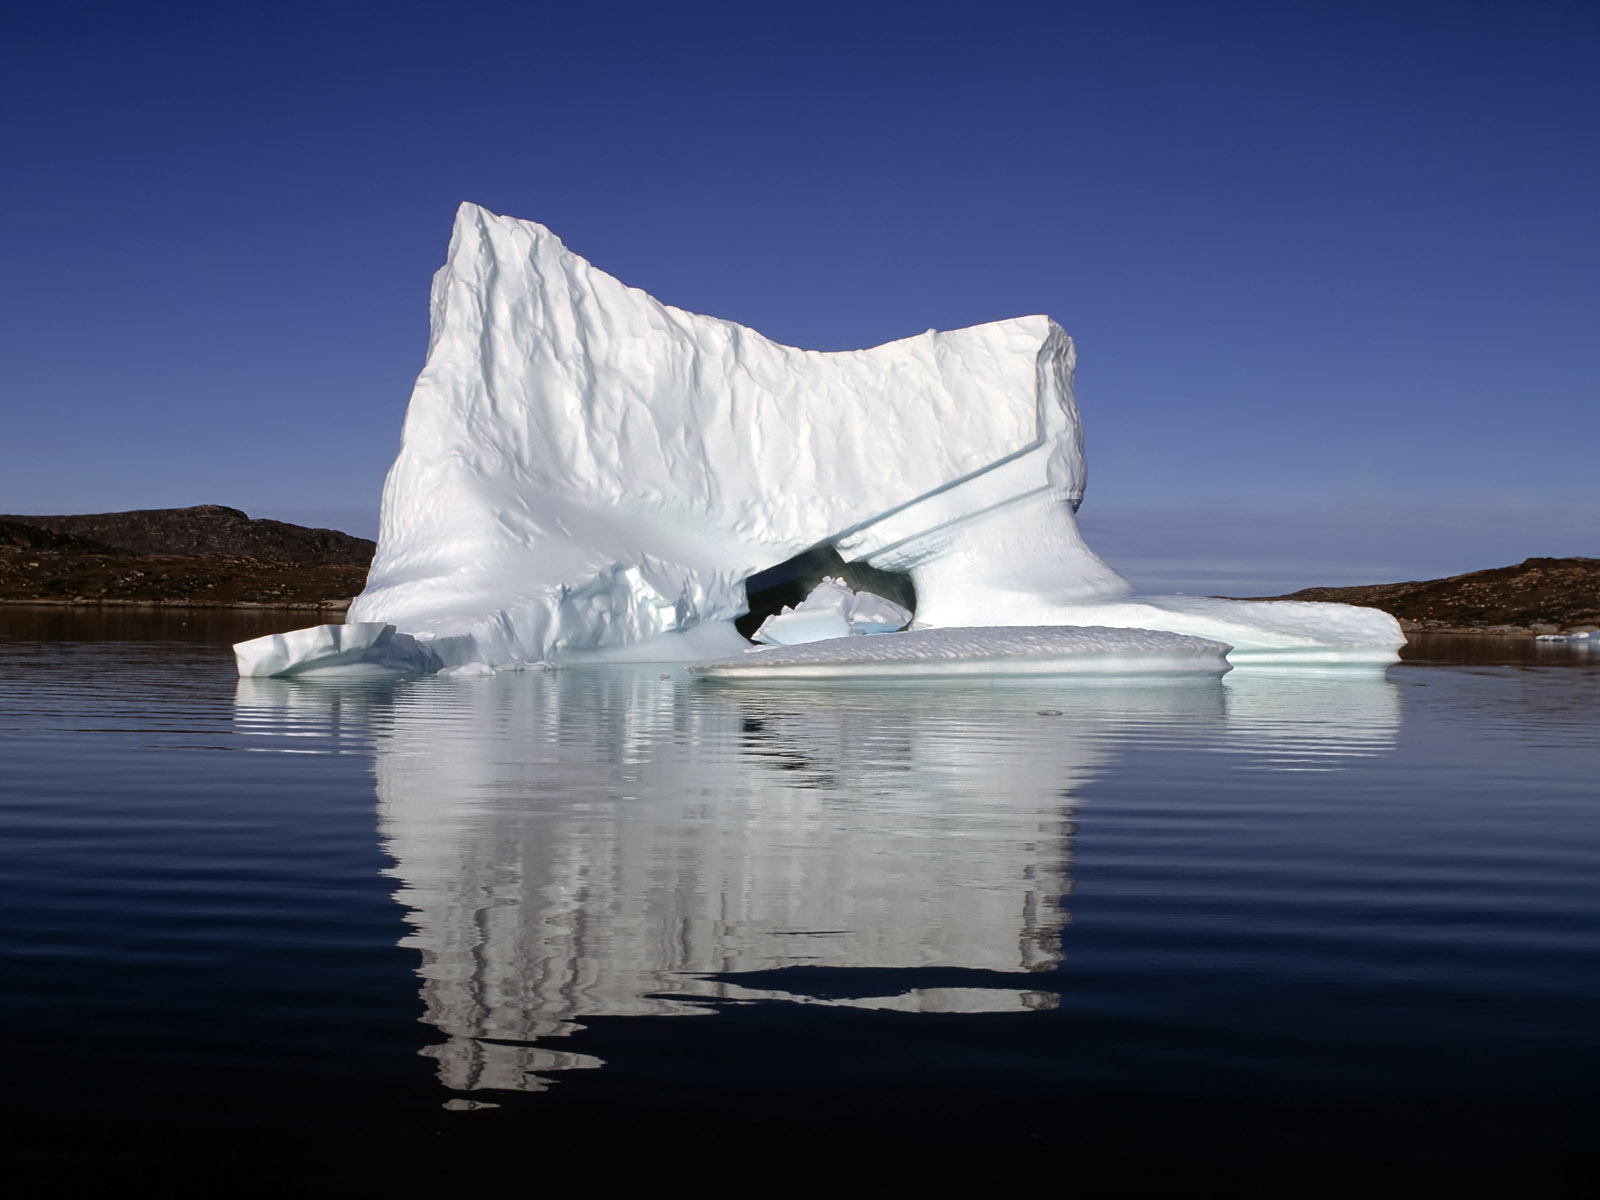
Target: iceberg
583,467
588,473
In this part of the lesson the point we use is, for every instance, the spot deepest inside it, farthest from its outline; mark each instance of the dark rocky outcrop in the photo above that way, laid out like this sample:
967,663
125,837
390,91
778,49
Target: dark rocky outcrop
1539,595
208,529
207,556
16,535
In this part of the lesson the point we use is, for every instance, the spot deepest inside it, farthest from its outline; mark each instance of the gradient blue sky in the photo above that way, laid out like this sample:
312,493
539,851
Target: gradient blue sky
1332,268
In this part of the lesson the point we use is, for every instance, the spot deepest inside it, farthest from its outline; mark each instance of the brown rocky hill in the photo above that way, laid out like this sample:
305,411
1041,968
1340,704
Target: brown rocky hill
207,556
208,529
15,535
1543,595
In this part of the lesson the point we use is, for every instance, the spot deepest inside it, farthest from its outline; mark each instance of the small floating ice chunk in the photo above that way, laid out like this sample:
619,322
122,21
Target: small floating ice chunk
987,650
1582,639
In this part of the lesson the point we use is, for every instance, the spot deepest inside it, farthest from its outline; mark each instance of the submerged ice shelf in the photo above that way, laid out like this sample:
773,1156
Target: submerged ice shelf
587,473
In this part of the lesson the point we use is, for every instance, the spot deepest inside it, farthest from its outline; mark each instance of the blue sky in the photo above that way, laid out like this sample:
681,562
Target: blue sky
1332,268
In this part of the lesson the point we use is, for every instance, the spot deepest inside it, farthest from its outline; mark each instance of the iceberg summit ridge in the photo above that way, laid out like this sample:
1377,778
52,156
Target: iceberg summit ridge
585,471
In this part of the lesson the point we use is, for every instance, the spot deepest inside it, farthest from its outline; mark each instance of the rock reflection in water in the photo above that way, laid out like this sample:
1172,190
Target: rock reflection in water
610,842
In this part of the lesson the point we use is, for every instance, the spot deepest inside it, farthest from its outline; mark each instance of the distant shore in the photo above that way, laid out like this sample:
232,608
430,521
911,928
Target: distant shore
213,557
204,557
1536,596
322,606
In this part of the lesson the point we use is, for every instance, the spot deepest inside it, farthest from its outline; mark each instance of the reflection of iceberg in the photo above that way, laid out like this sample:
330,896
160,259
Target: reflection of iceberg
585,844
1310,720
591,843
584,468
605,843
331,714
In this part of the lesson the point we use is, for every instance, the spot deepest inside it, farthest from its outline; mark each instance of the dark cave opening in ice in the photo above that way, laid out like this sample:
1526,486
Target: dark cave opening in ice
790,581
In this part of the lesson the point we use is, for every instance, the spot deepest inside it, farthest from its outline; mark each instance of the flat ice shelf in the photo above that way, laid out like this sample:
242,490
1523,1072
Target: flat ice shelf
356,647
1086,650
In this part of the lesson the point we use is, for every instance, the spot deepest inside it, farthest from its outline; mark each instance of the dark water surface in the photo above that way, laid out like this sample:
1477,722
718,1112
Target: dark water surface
1288,932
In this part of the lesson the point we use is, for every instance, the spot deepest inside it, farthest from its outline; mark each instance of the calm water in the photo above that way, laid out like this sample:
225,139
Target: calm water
1282,929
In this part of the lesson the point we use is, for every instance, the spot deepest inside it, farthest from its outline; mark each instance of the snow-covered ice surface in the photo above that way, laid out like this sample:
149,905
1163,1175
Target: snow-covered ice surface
586,473
1261,632
998,650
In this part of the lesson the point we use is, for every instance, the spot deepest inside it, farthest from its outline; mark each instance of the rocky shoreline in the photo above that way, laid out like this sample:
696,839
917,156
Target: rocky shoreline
1536,596
203,557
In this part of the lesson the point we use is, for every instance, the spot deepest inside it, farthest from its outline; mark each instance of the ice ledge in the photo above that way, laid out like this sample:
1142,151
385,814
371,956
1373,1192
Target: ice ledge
1094,651
362,646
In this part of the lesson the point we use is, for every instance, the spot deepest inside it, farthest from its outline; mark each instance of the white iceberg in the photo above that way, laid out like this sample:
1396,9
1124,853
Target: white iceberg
832,609
585,471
